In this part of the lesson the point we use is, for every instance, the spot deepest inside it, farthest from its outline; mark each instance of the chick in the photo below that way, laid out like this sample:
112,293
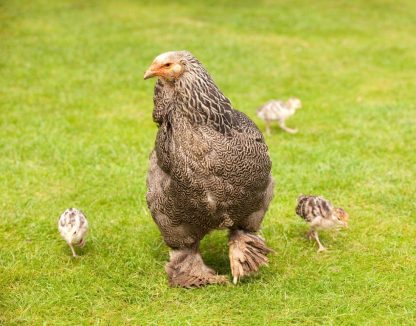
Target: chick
73,227
320,214
279,111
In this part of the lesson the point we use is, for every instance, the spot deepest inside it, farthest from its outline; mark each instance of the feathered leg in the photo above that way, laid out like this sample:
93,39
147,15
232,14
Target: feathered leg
247,253
187,269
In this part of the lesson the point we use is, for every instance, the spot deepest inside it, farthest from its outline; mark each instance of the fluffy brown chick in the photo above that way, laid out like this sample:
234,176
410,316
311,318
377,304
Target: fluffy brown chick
320,214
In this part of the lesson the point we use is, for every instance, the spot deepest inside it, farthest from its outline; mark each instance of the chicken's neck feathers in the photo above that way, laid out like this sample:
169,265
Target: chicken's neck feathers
196,97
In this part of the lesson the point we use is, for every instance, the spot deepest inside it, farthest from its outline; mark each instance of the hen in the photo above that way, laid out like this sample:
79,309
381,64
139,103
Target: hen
210,169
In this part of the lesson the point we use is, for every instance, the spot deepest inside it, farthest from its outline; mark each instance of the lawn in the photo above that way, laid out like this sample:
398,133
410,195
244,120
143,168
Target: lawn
76,131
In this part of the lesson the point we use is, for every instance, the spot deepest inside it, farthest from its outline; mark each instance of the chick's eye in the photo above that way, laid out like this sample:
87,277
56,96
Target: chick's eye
167,65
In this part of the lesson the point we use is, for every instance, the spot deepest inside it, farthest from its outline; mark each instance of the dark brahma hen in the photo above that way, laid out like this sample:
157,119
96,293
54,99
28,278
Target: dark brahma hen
210,169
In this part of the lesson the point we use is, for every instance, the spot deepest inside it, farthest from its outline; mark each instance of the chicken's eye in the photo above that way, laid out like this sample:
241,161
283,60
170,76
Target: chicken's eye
167,65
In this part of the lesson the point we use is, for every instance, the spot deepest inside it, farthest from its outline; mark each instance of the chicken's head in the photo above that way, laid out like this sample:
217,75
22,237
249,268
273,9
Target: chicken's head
168,65
342,216
294,103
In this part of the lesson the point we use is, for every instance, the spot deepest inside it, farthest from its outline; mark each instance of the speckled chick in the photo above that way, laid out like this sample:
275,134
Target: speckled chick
73,227
279,111
320,214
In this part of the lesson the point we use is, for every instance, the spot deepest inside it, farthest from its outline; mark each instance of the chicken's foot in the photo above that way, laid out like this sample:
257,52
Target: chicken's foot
187,269
247,253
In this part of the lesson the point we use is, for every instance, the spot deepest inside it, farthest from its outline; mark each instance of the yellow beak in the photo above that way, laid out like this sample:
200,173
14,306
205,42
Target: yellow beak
149,73
152,71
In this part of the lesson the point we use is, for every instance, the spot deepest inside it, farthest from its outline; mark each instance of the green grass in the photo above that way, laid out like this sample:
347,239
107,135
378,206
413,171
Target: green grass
76,130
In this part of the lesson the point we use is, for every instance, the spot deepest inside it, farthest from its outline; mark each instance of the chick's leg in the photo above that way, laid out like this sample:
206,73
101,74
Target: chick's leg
73,250
310,234
314,233
267,123
81,244
282,125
